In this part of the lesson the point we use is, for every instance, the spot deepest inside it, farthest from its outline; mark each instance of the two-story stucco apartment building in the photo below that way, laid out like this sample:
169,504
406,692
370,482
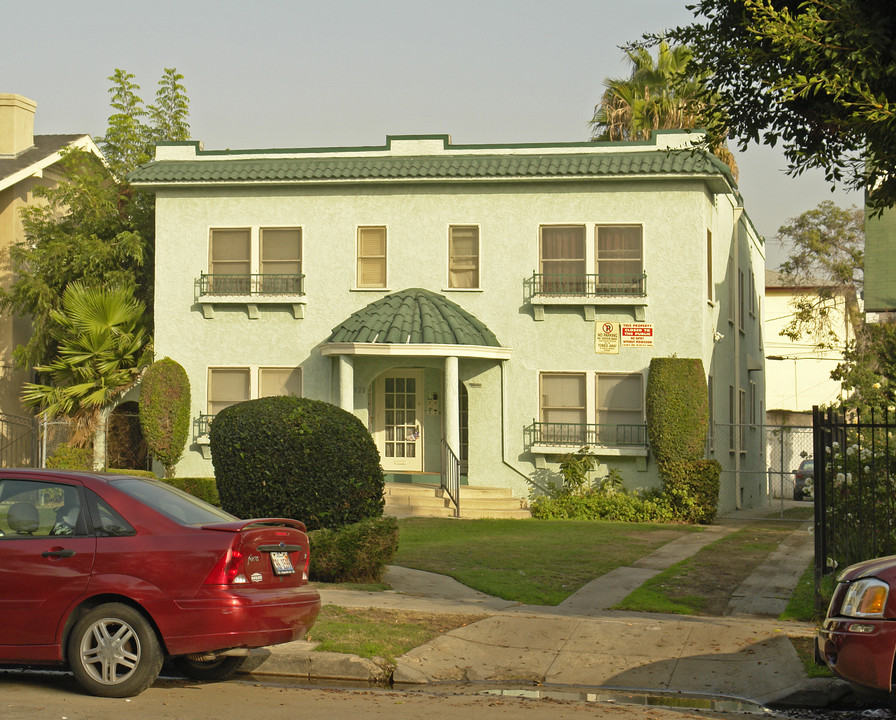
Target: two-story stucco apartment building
503,300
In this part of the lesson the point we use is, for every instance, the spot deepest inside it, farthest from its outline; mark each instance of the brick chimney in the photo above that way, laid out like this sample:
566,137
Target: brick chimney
16,123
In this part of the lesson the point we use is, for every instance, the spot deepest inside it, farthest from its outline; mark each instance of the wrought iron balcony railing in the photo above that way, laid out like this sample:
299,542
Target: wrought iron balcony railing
604,285
581,434
218,284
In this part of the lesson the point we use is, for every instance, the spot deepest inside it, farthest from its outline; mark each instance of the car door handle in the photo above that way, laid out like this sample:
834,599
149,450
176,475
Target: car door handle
57,553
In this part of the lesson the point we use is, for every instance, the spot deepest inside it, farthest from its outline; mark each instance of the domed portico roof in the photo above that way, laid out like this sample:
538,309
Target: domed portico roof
414,322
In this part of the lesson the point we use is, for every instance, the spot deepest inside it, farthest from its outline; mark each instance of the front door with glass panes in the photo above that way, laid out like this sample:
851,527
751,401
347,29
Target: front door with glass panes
399,413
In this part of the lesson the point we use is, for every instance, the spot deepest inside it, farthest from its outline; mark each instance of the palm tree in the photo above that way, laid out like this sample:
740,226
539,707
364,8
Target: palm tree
103,346
661,94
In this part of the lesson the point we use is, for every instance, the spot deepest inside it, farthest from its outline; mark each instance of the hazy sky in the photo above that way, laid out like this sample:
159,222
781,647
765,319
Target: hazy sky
278,73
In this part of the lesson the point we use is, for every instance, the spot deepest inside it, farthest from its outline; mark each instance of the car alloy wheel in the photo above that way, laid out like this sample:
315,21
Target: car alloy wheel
113,651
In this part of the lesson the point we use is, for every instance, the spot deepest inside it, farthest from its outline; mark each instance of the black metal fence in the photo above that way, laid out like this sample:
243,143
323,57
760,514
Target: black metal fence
19,446
854,488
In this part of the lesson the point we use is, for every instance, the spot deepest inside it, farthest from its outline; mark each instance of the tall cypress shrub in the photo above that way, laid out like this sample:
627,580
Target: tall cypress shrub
165,412
677,425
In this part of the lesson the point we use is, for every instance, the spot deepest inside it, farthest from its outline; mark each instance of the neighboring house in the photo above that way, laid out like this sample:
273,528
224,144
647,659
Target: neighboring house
503,301
26,160
798,375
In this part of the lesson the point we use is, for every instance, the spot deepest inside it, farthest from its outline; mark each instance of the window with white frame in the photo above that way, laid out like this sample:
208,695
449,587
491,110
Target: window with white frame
563,408
230,385
280,259
237,255
711,440
463,256
230,260
732,419
562,259
227,386
742,420
279,381
619,259
371,257
620,408
710,290
741,300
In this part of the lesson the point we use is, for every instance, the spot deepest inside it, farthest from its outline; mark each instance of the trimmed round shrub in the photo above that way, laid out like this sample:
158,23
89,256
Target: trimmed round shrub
354,553
298,458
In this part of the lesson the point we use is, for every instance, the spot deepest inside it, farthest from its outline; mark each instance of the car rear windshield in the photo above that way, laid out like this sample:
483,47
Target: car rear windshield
168,500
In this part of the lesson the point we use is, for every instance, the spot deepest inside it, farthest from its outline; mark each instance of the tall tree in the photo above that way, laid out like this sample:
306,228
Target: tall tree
827,250
103,343
661,94
818,76
95,227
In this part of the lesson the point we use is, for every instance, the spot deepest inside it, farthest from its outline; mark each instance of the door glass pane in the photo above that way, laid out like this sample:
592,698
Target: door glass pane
401,428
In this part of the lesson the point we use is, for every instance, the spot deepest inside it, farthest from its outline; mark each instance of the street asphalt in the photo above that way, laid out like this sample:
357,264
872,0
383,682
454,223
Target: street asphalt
582,645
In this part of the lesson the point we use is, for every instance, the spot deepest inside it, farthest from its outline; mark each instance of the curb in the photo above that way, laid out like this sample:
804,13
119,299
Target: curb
298,661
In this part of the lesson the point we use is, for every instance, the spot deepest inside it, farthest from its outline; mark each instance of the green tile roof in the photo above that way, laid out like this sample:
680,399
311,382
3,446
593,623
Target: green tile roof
414,316
227,169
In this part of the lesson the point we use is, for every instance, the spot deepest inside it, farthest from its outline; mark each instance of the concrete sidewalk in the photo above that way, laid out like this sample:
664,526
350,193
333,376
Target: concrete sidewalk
581,643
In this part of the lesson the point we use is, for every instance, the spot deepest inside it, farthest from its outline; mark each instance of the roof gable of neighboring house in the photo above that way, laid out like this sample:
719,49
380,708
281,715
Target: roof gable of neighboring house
46,151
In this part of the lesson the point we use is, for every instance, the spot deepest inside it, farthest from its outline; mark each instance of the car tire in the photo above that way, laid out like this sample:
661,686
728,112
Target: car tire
210,670
114,652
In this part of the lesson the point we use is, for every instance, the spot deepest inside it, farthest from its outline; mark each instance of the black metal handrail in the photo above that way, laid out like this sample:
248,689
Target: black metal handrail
257,284
599,285
450,479
582,434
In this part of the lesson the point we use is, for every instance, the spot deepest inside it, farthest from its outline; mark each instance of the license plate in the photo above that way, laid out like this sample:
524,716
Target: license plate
281,564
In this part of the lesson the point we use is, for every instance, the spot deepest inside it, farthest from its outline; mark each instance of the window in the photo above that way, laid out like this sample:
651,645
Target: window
753,403
226,387
371,257
280,256
40,509
741,305
620,409
742,420
619,259
563,407
732,295
732,419
463,256
229,261
279,381
563,259
712,421
709,287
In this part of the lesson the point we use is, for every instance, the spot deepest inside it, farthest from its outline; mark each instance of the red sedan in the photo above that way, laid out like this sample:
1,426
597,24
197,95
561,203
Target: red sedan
858,638
110,574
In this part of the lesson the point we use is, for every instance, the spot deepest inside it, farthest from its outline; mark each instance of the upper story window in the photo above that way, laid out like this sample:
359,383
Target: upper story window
230,260
371,257
619,259
254,261
562,258
463,256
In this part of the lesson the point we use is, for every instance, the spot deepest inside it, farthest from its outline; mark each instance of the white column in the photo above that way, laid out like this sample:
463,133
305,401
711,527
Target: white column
346,383
451,417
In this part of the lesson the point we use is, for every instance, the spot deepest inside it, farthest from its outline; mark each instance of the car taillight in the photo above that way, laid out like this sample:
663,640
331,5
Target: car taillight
229,570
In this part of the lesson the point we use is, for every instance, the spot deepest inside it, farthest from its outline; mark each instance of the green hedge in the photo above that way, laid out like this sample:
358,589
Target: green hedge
299,458
601,506
69,457
202,487
353,553
135,473
677,409
692,488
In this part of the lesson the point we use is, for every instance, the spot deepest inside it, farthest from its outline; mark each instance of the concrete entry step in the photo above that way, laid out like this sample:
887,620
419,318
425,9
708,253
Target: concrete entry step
476,502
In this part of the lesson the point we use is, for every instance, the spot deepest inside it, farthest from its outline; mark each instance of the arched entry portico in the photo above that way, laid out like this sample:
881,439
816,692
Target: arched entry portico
416,339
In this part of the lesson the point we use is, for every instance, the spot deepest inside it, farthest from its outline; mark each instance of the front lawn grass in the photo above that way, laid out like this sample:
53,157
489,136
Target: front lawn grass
373,632
704,583
538,562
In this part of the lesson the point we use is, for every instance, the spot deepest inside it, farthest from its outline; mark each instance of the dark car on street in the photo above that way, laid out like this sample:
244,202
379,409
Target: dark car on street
858,638
802,479
109,575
